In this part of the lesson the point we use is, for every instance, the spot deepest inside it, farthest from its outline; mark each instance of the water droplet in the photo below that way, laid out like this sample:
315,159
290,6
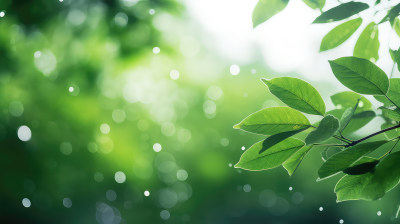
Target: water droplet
71,89
2,13
111,195
66,148
98,177
243,148
67,202
234,69
152,11
24,133
61,0
26,202
182,175
157,147
361,104
230,164
118,115
341,221
146,193
321,209
290,188
156,50
105,128
121,19
16,108
247,188
174,74
224,142
379,213
164,214
120,177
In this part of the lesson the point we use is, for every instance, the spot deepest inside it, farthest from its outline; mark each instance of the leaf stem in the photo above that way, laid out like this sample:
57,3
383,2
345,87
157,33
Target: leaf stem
391,101
338,145
343,139
372,135
388,152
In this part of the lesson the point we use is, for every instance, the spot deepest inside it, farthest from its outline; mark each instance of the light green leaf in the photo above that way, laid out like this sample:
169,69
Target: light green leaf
360,75
346,158
297,94
265,9
367,45
326,129
395,55
274,120
271,158
396,26
393,93
372,185
315,4
341,11
294,161
349,99
339,34
275,139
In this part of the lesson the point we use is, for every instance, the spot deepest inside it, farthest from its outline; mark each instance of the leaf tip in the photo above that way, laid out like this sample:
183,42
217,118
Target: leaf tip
237,126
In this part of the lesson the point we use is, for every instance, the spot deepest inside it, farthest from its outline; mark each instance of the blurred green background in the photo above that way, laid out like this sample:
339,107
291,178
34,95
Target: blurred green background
116,111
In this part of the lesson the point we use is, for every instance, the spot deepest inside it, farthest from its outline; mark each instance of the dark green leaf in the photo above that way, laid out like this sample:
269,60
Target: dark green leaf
357,121
297,94
273,157
364,165
275,139
265,9
274,120
326,129
367,45
346,158
294,161
340,12
360,75
339,34
392,14
395,54
372,185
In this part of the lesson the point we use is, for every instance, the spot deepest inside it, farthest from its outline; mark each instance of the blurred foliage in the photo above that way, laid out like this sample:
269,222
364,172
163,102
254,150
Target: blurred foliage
81,78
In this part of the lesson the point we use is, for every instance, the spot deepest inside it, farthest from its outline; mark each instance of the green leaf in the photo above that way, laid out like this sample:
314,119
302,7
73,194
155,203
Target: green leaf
364,165
341,11
326,129
274,120
357,121
294,161
395,55
367,45
315,4
297,94
265,9
391,113
392,133
339,34
349,99
273,157
329,151
346,158
275,139
372,185
347,116
392,14
360,75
